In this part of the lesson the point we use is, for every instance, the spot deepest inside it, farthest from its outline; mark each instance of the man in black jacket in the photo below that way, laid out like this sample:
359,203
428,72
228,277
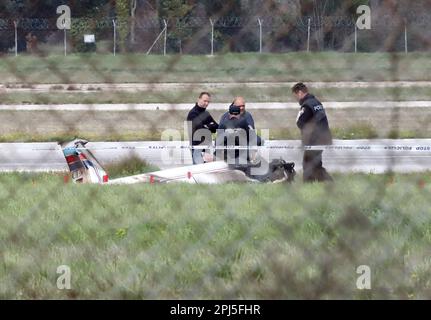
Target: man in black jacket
201,125
314,126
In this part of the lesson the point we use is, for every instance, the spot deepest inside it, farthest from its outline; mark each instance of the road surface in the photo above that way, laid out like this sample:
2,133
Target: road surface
368,156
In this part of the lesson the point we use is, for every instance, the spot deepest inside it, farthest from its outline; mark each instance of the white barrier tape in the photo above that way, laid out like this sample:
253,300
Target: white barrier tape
401,148
369,148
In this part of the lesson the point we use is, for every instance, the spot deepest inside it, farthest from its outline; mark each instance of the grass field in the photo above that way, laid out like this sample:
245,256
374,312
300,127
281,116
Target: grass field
262,94
364,123
230,241
234,68
360,131
245,67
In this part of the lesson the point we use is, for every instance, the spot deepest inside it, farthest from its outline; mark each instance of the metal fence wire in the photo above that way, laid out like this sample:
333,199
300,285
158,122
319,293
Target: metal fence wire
124,76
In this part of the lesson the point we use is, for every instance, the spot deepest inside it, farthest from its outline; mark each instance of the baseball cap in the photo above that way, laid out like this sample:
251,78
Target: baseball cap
234,110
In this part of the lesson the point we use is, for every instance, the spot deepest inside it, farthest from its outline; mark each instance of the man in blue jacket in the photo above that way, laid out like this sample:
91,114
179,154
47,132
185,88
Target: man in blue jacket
237,118
244,115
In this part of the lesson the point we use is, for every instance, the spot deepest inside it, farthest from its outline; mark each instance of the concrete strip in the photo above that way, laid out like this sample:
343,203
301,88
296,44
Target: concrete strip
213,106
38,157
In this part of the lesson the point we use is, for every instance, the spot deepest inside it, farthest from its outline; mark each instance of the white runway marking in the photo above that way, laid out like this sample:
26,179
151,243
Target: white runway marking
214,106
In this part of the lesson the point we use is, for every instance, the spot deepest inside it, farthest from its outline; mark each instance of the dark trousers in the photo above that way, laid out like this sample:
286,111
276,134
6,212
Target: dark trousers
313,168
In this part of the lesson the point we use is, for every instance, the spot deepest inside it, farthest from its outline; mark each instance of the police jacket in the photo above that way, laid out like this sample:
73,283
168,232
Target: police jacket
313,122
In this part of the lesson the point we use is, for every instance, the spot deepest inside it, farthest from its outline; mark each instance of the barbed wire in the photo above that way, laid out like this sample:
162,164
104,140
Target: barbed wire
49,24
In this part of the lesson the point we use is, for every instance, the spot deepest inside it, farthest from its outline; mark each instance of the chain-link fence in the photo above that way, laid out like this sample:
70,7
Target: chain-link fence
206,35
128,215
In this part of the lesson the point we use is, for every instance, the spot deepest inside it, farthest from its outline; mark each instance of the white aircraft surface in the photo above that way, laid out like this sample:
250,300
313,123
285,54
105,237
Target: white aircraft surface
85,168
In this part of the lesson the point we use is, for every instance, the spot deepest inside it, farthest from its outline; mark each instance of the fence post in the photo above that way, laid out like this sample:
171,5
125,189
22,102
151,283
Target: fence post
212,37
260,34
15,23
65,42
406,44
115,36
308,36
166,36
356,38
157,39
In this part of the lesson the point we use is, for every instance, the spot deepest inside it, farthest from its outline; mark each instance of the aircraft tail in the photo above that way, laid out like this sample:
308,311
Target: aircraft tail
82,164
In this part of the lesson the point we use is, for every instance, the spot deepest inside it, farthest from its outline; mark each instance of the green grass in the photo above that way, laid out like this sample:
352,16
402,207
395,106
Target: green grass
360,131
129,167
69,136
262,94
227,241
324,66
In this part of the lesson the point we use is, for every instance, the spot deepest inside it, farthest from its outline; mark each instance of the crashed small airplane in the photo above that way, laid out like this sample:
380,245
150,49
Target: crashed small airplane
85,168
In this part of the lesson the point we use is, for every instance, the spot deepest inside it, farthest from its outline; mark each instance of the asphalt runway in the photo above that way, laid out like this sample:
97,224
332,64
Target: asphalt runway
367,156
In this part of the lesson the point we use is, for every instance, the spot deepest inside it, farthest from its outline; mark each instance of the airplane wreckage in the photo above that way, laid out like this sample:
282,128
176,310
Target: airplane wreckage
85,168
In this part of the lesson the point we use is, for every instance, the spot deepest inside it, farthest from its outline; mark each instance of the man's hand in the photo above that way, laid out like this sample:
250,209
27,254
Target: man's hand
208,157
304,115
212,126
300,113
